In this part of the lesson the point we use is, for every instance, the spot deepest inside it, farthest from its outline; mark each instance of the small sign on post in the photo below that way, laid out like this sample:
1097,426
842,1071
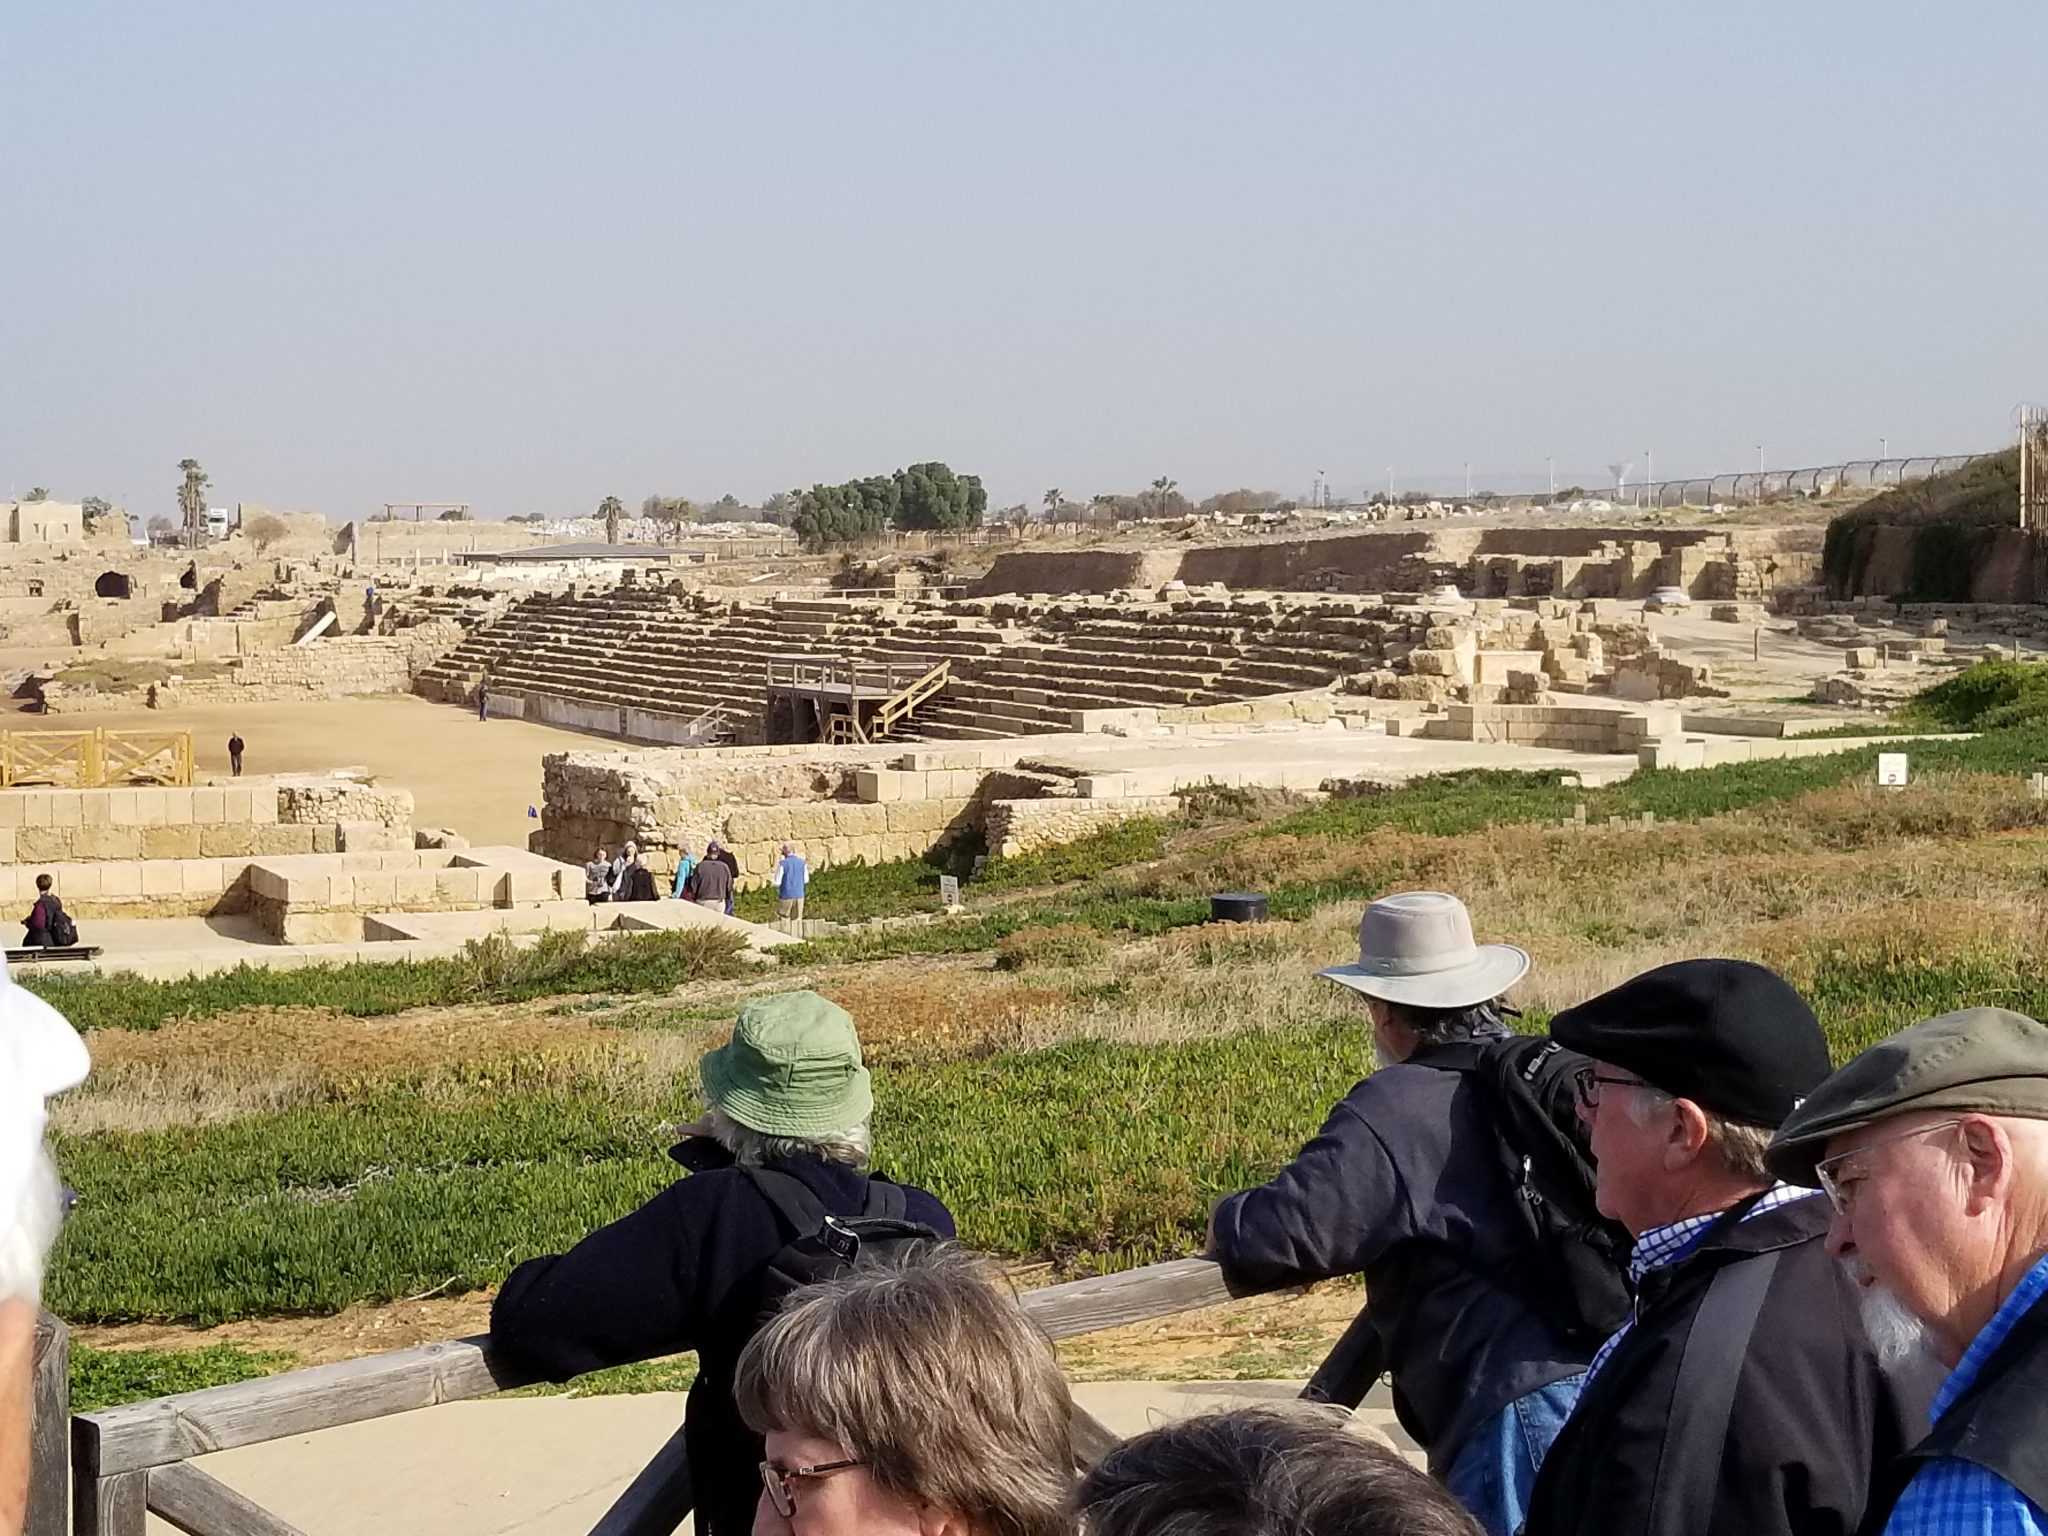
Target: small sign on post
1891,770
949,891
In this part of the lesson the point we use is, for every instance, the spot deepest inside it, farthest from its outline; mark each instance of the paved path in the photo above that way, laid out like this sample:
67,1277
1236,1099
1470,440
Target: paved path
549,1466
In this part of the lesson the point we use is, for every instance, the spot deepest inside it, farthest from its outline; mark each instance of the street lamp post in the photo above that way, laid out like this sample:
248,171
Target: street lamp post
1550,473
1649,476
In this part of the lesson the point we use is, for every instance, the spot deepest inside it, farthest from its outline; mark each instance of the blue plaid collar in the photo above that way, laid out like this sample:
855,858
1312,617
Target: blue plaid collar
1666,1245
2032,1287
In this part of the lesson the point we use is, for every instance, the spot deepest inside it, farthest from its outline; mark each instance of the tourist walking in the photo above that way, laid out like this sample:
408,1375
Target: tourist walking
711,882
790,878
724,855
787,1127
1932,1148
622,863
686,863
1409,1183
1743,1394
597,879
235,754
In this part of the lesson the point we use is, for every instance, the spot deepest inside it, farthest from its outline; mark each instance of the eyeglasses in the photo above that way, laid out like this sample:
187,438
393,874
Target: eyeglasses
778,1480
1841,1192
1588,1082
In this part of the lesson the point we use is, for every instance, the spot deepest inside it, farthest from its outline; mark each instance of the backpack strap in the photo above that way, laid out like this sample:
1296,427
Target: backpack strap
885,1200
792,1199
1703,1399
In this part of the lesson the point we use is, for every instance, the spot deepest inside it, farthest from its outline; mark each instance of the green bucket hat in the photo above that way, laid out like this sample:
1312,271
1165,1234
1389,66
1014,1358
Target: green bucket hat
792,1068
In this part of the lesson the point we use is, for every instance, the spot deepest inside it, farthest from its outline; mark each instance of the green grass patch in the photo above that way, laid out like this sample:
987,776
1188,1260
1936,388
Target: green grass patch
489,970
1991,695
101,1378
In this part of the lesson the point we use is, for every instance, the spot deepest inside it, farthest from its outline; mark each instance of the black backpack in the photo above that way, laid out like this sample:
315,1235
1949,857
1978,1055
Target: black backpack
827,1246
63,931
1572,1263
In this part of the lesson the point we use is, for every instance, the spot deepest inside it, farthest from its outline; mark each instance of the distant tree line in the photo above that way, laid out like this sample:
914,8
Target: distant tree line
924,496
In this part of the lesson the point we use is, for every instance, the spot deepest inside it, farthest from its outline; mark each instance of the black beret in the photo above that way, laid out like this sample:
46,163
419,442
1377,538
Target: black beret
1731,1036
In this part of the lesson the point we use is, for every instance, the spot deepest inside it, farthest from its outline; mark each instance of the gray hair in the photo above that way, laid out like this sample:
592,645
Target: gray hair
1738,1147
751,1148
931,1377
1451,1026
1294,1471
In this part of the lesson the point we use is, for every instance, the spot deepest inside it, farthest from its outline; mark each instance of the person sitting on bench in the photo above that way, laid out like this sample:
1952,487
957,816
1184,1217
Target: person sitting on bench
49,925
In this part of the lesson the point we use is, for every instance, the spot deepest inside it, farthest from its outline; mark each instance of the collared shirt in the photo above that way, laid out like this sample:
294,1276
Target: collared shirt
1950,1497
1660,1247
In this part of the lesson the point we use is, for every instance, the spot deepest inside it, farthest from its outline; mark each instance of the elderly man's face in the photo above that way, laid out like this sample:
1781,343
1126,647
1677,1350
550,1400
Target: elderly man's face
1903,1226
1630,1156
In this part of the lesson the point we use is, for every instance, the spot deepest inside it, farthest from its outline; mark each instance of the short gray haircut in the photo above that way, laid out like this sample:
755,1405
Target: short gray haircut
1739,1147
1294,1471
934,1379
752,1149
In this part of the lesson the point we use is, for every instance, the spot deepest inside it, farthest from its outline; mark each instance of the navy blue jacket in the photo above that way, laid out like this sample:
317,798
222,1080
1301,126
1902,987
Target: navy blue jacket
656,1283
1406,1185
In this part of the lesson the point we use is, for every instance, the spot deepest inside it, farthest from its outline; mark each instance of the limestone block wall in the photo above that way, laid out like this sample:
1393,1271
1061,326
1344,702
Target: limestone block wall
327,668
139,888
44,827
1566,728
1012,827
323,899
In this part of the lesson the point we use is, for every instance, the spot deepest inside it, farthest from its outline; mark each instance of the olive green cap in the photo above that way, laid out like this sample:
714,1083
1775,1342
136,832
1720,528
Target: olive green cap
1987,1061
792,1068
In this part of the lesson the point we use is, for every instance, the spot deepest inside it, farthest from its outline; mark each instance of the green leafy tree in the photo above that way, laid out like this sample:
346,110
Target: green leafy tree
932,496
846,514
192,501
40,493
96,507
264,531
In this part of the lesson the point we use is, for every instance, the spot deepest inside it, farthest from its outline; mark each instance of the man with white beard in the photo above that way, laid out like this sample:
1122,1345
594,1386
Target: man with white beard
1933,1148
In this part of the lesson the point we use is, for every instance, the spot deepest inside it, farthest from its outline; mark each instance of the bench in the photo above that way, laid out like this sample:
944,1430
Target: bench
39,953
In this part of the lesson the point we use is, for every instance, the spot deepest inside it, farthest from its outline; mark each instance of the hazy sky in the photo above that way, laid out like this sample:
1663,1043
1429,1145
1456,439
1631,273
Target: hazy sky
528,255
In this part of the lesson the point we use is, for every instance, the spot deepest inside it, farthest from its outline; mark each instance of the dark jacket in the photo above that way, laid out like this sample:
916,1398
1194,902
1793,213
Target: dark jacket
1406,1185
670,1277
711,880
40,917
1998,1423
1812,1416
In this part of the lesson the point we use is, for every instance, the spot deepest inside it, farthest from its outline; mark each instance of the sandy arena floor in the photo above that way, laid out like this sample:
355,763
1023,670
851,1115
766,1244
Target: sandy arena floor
477,778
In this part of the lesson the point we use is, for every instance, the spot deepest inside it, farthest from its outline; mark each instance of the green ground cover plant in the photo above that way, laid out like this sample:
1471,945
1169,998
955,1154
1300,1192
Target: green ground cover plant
101,1378
488,970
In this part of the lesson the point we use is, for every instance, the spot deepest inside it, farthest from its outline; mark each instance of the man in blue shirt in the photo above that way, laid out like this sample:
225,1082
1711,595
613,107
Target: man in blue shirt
1933,1148
790,879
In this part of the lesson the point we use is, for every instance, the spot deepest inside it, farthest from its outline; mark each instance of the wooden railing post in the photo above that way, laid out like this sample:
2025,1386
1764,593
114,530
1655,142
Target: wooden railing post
49,1473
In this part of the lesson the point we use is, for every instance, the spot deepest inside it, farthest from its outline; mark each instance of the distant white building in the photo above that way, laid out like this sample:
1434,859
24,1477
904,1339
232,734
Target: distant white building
43,522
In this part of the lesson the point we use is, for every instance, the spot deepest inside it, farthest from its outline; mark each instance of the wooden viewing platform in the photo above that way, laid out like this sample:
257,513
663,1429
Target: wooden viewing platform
134,1460
840,700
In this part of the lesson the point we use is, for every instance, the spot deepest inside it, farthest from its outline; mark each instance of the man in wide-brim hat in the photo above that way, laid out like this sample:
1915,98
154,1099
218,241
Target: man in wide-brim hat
1742,1395
787,1095
1932,1148
1406,1183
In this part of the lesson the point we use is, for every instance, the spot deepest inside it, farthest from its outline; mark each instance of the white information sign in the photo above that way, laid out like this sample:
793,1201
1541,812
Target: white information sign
1891,769
949,890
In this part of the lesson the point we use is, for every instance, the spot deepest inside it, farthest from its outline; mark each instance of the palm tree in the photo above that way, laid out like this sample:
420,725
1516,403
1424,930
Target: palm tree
1054,499
611,509
1162,493
192,501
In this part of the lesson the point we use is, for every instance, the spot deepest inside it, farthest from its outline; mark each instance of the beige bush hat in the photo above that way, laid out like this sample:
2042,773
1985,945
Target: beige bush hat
1416,948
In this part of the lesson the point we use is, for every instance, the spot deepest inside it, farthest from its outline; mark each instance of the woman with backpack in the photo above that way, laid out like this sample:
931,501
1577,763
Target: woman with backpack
778,1162
49,925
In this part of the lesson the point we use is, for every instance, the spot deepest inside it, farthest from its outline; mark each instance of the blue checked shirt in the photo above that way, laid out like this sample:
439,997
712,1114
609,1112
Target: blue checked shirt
1949,1497
1661,1246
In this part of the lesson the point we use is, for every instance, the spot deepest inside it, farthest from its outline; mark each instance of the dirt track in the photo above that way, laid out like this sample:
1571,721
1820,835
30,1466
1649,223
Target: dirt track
477,777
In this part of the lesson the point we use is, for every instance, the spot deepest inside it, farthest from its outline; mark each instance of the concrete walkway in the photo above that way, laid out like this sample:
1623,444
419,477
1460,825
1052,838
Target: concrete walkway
550,1466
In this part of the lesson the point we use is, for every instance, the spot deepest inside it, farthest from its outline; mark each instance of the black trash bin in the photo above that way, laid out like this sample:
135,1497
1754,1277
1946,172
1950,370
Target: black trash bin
1237,907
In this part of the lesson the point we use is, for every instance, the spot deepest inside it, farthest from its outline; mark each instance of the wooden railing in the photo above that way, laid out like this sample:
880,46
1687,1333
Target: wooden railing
134,1460
91,759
